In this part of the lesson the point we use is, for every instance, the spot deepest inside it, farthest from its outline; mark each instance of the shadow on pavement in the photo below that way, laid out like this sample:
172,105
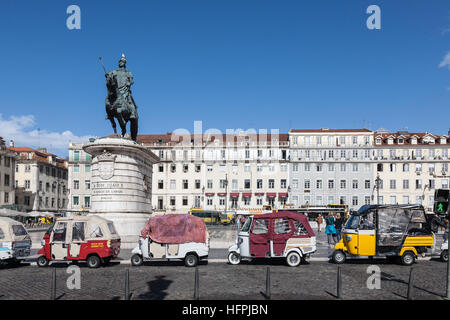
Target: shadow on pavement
156,289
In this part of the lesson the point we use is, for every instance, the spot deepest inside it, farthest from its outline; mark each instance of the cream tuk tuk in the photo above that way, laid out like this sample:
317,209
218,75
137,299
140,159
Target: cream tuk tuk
172,237
80,238
15,242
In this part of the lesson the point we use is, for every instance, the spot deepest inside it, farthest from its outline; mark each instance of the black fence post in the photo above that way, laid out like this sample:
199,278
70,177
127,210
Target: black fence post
339,283
268,283
53,294
127,284
196,285
410,285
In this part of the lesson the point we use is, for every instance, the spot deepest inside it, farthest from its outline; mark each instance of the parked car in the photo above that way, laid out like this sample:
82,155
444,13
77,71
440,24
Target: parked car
281,234
172,237
15,242
80,238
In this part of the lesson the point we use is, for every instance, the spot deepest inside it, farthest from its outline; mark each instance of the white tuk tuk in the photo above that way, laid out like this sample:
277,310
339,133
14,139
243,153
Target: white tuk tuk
172,237
15,242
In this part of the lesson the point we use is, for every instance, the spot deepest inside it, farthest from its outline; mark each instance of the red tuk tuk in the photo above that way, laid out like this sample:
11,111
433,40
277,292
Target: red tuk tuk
274,235
80,238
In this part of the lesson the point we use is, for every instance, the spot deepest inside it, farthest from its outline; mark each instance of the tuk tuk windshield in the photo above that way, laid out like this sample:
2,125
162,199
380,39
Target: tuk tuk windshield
353,222
18,230
247,224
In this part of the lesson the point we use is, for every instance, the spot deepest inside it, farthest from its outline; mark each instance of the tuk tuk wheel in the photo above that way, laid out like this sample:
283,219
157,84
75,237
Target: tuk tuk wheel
42,261
407,258
234,258
339,257
190,260
93,261
136,260
293,259
444,255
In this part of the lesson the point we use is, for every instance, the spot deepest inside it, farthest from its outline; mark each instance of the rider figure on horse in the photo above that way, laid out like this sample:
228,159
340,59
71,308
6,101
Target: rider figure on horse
119,102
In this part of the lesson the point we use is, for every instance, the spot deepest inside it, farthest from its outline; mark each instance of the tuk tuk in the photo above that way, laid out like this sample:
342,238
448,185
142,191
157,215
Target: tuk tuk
15,242
172,237
80,238
282,234
397,232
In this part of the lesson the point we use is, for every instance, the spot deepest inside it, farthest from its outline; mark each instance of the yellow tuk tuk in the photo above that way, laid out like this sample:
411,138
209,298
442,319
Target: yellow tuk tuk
391,231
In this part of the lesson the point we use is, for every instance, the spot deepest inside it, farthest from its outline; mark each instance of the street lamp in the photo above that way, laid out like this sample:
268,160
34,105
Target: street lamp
377,186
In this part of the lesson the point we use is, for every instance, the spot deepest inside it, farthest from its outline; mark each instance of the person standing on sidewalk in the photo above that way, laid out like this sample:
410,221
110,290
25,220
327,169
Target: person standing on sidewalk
330,229
319,221
338,225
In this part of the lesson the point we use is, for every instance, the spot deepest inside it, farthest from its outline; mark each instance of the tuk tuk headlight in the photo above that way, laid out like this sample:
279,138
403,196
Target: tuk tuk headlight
108,243
348,237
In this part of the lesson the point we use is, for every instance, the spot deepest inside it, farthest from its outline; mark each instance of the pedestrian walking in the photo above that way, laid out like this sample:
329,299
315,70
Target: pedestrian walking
330,229
338,225
319,221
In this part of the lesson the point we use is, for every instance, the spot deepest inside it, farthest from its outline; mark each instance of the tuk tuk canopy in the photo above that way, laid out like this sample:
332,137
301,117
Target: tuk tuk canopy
393,222
175,229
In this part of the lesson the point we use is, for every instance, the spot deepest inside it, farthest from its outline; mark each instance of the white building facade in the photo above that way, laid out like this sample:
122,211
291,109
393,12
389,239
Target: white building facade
41,180
331,166
410,166
7,177
242,171
80,177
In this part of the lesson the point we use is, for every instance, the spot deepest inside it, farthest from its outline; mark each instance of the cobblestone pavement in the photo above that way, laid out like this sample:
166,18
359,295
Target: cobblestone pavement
173,281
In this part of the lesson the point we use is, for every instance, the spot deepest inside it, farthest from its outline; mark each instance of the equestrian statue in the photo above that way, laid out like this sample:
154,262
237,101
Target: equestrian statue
119,102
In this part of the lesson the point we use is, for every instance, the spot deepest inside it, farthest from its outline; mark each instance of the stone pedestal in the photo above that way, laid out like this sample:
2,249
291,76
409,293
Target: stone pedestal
122,184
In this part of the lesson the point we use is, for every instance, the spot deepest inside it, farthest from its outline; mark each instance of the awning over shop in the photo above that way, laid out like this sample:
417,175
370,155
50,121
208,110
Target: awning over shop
271,195
221,194
259,193
234,195
282,195
209,194
246,195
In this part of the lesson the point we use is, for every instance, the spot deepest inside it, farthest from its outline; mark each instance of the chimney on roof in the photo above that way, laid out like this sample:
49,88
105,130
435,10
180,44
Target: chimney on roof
11,143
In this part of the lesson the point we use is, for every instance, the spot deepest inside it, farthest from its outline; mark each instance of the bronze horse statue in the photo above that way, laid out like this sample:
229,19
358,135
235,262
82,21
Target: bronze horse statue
119,102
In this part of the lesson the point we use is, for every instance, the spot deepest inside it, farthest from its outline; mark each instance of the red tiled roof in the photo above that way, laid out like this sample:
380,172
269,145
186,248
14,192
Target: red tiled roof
408,137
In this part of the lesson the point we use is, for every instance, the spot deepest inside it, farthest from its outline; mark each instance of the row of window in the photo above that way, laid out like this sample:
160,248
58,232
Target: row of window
51,202
330,184
77,156
233,203
331,140
234,168
331,167
85,204
87,168
76,184
49,171
222,154
246,184
406,167
431,184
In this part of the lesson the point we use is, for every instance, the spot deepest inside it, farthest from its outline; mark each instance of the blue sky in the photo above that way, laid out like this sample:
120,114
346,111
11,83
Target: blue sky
261,64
